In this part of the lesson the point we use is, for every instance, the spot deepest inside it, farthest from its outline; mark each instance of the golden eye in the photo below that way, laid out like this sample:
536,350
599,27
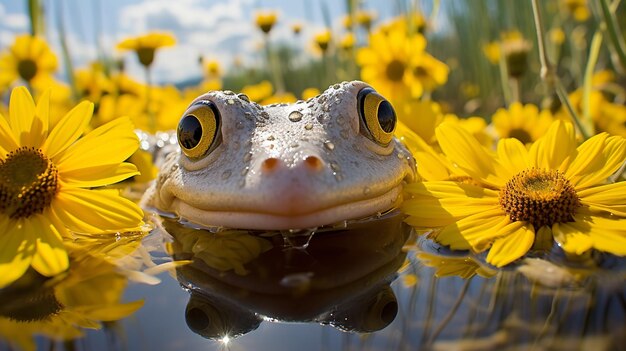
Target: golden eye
198,130
378,119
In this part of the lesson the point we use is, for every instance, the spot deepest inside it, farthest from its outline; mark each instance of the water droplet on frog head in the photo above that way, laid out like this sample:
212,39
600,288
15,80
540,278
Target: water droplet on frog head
295,116
329,145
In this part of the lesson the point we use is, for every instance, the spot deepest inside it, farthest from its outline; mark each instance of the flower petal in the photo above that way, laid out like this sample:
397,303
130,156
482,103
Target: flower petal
609,198
98,176
96,211
110,144
7,140
50,258
467,153
26,128
473,232
571,239
556,149
603,164
607,234
513,156
42,113
68,129
513,245
16,250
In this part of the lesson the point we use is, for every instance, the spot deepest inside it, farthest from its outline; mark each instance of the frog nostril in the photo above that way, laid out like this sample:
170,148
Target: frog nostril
270,164
313,163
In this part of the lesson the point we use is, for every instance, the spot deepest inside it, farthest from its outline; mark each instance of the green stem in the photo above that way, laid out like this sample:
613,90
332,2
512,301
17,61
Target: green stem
596,43
273,67
504,82
152,125
614,34
548,72
65,51
34,12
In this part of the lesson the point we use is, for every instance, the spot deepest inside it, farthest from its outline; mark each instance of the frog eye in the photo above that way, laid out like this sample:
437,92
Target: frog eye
378,119
198,130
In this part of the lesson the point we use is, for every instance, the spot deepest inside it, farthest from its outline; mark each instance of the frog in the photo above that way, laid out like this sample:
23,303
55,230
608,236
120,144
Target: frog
288,166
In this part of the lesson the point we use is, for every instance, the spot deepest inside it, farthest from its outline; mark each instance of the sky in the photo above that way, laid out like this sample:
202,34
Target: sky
215,29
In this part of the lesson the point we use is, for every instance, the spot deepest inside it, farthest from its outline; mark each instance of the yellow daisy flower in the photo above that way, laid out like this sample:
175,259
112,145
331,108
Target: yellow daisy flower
430,72
258,92
365,19
265,20
323,39
49,179
145,45
310,93
29,59
522,122
387,63
579,9
554,188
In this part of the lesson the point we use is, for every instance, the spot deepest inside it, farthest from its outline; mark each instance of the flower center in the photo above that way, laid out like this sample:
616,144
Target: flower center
541,197
31,306
395,70
27,69
146,56
28,182
521,135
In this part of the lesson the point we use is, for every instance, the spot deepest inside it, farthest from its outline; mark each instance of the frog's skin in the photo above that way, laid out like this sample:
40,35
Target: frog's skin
271,171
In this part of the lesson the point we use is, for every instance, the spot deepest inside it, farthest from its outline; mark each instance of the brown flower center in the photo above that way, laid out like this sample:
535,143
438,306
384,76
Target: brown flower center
521,135
541,197
395,70
146,56
27,69
28,183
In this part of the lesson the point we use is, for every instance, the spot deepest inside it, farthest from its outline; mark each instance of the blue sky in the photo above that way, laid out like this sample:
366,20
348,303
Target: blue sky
216,29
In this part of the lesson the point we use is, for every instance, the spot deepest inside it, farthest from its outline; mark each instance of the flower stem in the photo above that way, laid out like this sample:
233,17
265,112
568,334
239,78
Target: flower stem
151,117
612,28
548,72
273,66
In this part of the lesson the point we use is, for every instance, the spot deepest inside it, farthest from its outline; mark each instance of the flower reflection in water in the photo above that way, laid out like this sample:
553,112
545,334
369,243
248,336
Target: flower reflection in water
341,279
542,303
88,296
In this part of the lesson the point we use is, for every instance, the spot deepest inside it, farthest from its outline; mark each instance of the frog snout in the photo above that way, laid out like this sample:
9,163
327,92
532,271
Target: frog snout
309,163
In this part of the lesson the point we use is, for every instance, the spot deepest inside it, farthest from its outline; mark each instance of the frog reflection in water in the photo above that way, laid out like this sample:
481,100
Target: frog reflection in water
284,166
342,278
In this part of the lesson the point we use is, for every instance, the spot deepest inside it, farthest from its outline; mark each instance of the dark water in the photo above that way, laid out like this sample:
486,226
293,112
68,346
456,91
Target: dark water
373,285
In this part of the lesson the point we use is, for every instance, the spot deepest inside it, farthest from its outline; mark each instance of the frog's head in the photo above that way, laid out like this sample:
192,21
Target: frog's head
284,166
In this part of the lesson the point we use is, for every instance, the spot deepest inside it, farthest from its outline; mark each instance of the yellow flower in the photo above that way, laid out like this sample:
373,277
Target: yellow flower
279,98
29,59
430,72
49,180
447,266
309,93
492,52
145,45
554,188
296,28
557,36
365,19
347,42
421,117
62,308
577,9
265,20
604,115
212,69
258,92
323,39
92,82
387,63
522,122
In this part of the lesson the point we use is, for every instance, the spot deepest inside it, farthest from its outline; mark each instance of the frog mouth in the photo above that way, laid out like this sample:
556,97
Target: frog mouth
289,218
